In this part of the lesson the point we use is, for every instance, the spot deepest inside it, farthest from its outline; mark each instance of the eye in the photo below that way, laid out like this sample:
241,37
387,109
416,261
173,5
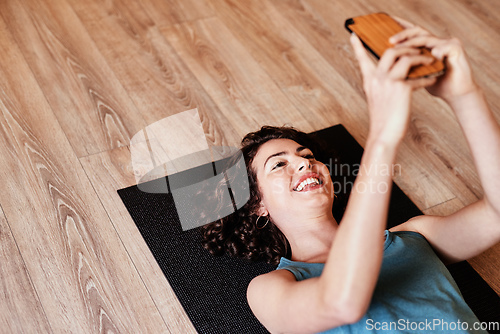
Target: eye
278,165
309,156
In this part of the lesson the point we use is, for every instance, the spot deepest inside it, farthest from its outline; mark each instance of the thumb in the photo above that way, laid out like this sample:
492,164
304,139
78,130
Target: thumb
365,62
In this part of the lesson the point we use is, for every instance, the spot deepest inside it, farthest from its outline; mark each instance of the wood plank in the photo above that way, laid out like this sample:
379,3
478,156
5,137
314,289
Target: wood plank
83,276
488,266
18,296
89,102
168,12
446,208
436,154
287,58
108,172
481,42
245,94
156,79
484,11
325,32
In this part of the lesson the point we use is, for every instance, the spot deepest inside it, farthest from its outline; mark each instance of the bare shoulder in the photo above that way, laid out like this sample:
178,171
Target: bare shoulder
284,305
266,293
272,283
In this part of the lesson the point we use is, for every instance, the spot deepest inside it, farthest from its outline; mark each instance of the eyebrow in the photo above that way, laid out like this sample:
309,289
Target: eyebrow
299,149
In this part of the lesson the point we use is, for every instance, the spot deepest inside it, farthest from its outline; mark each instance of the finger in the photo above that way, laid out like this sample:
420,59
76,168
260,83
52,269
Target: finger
402,67
408,34
365,62
421,41
450,49
390,57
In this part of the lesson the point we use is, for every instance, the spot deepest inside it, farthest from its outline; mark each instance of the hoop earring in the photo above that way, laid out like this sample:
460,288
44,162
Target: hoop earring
257,223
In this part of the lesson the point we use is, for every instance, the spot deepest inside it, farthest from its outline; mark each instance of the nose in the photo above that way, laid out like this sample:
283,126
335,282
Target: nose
304,163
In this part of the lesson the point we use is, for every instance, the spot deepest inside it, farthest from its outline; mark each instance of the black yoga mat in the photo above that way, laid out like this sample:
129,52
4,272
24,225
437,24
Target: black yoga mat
212,289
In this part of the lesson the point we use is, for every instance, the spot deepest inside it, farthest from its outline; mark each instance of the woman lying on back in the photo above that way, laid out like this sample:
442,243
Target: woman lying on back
355,277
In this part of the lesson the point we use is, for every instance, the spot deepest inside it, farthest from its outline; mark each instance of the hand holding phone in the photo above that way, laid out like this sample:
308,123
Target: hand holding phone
374,30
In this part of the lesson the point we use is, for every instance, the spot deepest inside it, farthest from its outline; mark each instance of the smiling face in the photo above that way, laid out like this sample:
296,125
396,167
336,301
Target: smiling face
294,186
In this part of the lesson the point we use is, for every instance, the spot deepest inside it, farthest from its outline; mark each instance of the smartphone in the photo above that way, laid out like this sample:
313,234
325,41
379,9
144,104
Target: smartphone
374,30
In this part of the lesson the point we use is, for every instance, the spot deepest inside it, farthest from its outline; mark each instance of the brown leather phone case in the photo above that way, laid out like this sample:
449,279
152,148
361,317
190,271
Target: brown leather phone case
374,30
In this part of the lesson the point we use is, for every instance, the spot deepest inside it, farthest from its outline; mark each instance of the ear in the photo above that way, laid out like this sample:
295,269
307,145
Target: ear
262,211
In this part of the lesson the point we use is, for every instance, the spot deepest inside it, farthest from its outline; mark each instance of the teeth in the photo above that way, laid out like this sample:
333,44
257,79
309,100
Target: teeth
306,182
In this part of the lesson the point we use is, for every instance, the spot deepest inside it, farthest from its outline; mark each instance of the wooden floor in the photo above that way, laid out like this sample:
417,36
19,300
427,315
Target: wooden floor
79,78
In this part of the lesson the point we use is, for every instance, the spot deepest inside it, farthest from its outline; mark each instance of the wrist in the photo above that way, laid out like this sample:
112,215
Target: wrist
378,146
384,139
473,93
466,101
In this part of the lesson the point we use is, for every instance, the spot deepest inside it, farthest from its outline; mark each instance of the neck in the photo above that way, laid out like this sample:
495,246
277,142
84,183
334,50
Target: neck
311,242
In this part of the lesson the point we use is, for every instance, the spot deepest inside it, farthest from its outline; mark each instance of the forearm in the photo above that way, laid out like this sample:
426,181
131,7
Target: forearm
352,268
483,136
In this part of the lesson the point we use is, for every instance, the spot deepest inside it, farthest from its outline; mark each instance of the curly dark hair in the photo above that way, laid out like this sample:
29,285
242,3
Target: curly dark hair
237,234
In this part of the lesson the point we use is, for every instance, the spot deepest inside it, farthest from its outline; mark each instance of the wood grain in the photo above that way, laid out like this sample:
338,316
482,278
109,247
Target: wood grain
154,76
82,274
89,102
169,12
244,93
18,296
487,265
288,60
445,208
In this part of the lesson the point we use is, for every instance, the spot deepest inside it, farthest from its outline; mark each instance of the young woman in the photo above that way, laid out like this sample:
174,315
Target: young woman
354,276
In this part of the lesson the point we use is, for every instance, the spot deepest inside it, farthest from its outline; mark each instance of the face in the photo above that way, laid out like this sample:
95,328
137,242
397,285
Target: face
292,183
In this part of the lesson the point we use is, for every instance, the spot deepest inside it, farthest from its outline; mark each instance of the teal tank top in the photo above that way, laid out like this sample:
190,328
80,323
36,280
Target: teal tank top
415,293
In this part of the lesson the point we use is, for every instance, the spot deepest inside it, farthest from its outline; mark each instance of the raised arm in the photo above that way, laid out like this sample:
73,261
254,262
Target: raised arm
475,228
356,255
343,292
